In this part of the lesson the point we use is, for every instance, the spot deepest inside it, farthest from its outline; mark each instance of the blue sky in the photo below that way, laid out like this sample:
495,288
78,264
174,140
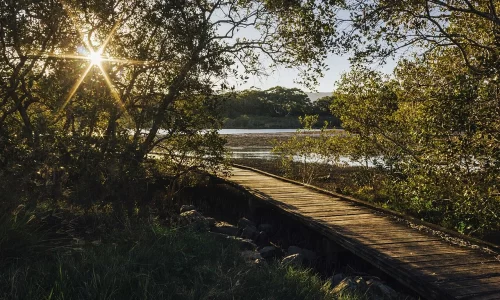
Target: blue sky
286,77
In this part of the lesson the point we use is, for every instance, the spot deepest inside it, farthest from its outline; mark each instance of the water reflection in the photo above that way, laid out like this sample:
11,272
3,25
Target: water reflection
258,153
266,153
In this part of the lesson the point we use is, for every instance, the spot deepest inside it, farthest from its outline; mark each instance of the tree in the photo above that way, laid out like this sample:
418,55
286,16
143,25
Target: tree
287,102
157,66
433,126
322,105
381,28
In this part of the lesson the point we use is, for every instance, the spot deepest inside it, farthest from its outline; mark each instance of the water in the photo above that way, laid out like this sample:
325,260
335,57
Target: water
254,153
266,130
267,154
237,131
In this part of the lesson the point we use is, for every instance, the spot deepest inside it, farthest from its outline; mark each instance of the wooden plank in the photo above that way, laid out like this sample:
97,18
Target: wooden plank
348,215
477,290
290,189
341,215
471,268
494,296
281,191
329,209
402,254
402,240
359,226
349,219
445,260
320,204
452,276
494,281
401,232
409,246
305,199
431,258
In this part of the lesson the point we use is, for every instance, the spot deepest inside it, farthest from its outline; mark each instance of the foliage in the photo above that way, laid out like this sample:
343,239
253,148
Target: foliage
272,108
379,29
431,132
307,150
71,128
321,106
287,101
274,102
252,121
432,126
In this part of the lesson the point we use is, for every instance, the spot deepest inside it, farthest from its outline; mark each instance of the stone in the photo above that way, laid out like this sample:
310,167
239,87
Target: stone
211,221
252,257
336,279
309,256
185,208
378,290
262,238
192,217
226,229
348,285
249,232
244,222
293,250
268,252
260,262
267,228
244,244
293,260
361,282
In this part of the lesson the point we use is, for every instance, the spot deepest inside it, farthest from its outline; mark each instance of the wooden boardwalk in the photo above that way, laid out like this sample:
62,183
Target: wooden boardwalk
426,263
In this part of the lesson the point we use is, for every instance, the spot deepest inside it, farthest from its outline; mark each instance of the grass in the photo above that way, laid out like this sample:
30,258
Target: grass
144,261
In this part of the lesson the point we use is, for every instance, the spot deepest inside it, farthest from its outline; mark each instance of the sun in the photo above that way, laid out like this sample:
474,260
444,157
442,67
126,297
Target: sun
95,58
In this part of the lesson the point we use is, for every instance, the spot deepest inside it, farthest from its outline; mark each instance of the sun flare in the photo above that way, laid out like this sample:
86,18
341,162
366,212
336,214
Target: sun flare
95,58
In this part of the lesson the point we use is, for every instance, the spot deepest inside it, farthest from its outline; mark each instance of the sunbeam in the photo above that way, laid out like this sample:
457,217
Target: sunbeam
95,58
112,88
74,89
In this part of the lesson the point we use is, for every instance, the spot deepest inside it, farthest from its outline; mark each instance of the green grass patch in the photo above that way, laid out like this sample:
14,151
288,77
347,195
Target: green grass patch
148,262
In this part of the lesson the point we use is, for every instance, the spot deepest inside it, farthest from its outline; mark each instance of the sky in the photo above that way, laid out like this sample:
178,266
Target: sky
286,77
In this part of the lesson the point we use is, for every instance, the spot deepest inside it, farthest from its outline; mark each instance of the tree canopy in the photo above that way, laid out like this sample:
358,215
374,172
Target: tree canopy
433,125
89,88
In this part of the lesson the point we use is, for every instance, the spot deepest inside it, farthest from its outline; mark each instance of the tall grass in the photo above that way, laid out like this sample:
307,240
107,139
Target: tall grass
22,239
148,262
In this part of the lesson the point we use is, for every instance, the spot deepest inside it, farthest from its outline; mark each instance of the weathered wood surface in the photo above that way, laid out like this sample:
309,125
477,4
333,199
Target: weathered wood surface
433,267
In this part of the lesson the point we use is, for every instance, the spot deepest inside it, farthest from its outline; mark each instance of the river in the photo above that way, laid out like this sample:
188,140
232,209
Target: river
250,151
261,131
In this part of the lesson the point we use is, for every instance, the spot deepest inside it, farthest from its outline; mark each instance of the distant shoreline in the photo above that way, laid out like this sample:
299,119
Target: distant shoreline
260,140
